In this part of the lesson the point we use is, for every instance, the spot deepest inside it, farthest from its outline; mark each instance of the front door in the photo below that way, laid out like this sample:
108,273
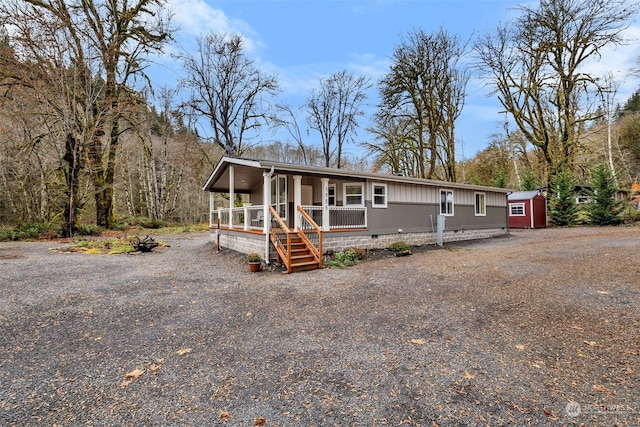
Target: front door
279,195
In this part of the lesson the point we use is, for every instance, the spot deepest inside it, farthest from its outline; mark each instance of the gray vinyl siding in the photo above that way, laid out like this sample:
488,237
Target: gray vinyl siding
412,217
411,207
415,208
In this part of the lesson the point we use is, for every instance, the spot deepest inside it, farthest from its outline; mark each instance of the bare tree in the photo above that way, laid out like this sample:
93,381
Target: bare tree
536,65
333,112
284,117
226,89
426,86
394,147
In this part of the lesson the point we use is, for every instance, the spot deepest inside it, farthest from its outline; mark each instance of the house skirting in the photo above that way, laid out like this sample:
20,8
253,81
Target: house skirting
245,243
338,241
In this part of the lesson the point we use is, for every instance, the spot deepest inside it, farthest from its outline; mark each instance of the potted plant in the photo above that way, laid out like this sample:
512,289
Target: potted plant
254,260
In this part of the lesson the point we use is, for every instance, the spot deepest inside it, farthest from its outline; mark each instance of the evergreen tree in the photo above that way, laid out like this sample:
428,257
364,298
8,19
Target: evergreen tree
562,203
604,209
528,180
500,180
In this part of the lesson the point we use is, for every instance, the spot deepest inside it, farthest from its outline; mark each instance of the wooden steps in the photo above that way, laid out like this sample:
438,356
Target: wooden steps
301,257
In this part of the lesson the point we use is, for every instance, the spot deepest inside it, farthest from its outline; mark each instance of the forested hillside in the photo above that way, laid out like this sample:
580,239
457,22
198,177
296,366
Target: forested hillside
86,138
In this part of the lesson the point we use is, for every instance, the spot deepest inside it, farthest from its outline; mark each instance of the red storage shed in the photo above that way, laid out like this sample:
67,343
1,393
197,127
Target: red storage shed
527,209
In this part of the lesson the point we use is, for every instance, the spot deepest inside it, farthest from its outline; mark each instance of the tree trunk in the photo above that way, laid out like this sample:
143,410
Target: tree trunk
71,161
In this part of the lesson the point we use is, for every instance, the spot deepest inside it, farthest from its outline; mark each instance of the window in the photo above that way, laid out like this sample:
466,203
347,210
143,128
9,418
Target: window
279,195
446,202
481,206
354,194
516,209
331,201
379,196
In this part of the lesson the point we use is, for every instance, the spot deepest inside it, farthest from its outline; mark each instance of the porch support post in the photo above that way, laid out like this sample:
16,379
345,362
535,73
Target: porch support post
266,215
297,199
232,193
325,204
212,207
266,194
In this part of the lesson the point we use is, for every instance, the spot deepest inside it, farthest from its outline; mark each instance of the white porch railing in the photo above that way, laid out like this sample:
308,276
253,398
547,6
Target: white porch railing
340,217
251,217
247,217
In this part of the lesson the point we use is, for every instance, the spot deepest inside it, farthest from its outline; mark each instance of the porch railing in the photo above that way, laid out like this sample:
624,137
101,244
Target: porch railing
310,233
340,217
247,217
251,217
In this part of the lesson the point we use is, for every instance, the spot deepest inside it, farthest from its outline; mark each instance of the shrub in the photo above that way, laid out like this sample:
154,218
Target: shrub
632,214
254,257
343,259
31,230
88,230
397,247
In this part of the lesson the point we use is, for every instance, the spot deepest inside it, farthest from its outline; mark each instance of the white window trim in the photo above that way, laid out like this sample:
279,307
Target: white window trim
484,203
511,205
453,201
344,194
335,195
373,195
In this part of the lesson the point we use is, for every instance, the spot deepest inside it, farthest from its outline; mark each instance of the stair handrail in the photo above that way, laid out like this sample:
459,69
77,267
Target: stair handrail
278,240
315,250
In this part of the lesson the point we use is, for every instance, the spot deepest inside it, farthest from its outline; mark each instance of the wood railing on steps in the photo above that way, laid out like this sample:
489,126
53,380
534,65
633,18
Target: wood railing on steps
311,234
308,233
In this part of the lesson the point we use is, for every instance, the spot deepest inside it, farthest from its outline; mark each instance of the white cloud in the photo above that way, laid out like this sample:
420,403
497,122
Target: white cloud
196,18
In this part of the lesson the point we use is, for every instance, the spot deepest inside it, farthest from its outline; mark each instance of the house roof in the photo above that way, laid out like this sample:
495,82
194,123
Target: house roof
251,170
523,195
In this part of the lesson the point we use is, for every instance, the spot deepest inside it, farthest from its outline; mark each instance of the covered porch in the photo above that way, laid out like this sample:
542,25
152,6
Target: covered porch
248,184
289,209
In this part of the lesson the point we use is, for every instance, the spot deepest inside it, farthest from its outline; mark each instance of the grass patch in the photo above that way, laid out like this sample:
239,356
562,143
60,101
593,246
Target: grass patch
108,246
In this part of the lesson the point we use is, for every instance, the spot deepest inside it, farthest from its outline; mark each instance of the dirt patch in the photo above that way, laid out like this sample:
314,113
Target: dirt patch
537,328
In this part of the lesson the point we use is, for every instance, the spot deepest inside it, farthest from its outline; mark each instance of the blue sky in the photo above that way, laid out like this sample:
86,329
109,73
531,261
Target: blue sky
302,41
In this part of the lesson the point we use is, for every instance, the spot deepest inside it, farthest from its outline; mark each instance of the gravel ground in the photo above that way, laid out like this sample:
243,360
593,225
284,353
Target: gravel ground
536,328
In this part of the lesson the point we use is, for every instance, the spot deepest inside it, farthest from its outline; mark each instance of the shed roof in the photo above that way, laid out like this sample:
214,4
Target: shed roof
523,195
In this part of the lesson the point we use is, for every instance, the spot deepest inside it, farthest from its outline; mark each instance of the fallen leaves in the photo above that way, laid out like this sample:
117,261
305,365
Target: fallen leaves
225,415
260,421
417,341
469,376
520,347
136,373
129,376
183,351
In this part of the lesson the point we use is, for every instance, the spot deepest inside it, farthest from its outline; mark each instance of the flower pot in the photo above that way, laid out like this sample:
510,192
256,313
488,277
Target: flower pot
254,266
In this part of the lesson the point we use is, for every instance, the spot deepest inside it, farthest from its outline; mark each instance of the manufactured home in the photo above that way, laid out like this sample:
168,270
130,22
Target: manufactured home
297,212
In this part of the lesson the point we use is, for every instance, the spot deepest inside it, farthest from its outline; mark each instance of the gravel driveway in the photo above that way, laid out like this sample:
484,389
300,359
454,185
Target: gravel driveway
536,328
